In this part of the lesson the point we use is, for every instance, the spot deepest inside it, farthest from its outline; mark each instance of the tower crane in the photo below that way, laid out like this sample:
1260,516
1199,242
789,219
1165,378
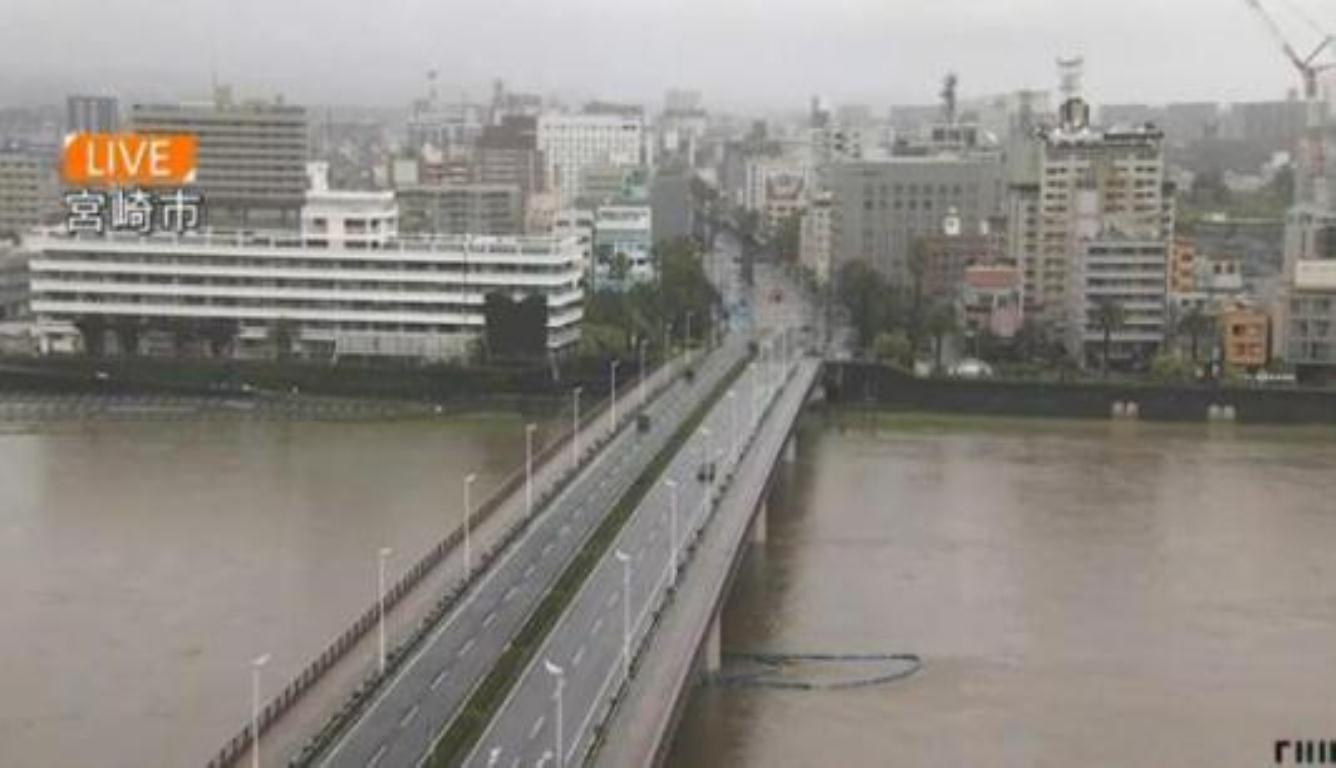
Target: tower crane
1313,164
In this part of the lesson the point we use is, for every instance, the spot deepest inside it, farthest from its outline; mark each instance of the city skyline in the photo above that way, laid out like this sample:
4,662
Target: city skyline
740,55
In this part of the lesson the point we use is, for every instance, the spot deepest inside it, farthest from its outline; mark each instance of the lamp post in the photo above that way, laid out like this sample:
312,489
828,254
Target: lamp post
640,384
560,675
733,420
468,513
756,393
672,531
612,412
686,341
625,560
575,428
705,452
528,467
256,665
385,553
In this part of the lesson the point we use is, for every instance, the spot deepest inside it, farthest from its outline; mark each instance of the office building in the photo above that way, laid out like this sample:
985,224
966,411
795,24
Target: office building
882,208
461,209
27,190
570,142
252,156
261,294
623,246
92,114
508,154
814,237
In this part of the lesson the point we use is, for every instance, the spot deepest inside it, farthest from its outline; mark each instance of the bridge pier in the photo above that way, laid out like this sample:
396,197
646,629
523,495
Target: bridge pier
712,658
757,532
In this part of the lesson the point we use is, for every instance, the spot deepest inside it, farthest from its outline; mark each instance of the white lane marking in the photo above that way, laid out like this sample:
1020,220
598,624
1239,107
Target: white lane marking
547,548
440,678
468,646
528,571
408,718
488,619
376,757
597,626
509,594
579,654
612,600
537,726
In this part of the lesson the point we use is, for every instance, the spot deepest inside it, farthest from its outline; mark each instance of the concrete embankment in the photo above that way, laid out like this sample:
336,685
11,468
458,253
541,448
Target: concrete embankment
887,387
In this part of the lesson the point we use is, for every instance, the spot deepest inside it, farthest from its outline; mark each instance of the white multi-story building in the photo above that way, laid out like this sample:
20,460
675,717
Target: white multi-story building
569,142
1129,273
623,245
366,294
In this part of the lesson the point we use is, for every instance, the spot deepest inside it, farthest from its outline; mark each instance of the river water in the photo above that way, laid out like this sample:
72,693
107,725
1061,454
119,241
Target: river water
1080,594
142,566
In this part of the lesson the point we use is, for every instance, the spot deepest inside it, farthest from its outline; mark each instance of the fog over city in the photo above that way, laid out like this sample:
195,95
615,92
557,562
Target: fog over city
741,53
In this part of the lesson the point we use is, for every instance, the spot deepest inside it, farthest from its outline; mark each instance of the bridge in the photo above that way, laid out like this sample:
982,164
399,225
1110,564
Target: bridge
559,641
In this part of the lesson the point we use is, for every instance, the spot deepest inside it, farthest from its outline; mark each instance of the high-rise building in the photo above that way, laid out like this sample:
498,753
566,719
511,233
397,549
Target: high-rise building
92,114
26,189
569,142
508,154
1093,183
252,156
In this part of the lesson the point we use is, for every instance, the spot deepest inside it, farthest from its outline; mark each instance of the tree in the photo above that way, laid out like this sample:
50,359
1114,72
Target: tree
941,323
283,332
1171,368
221,335
918,259
893,347
620,267
867,297
93,329
789,238
1195,323
1109,315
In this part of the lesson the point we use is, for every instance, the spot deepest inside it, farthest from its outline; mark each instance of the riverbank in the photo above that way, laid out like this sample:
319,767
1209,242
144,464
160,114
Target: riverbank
891,388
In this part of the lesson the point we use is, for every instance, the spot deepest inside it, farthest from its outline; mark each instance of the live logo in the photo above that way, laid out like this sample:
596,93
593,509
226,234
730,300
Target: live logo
118,159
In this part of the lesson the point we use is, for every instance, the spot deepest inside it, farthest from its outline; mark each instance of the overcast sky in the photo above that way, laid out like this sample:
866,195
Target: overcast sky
739,53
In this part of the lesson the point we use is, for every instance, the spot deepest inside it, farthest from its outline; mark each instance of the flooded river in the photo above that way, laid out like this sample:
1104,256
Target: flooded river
1080,594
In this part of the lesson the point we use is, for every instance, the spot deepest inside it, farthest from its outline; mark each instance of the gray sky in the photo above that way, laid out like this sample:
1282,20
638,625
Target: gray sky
740,53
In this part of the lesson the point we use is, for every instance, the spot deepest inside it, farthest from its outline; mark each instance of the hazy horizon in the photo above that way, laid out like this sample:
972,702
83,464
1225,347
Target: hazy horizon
741,54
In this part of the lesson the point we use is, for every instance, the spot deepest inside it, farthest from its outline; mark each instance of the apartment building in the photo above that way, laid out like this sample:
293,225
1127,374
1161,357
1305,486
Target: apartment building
569,142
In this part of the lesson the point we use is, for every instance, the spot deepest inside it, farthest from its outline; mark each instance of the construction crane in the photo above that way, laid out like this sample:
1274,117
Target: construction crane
1313,164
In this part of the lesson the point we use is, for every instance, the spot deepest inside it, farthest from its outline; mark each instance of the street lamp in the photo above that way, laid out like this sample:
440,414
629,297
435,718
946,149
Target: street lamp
686,341
756,393
385,553
672,531
468,513
705,453
575,428
256,665
733,419
528,467
560,675
640,385
613,410
625,560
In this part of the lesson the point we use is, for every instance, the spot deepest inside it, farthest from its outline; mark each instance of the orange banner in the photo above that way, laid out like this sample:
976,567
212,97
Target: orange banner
130,159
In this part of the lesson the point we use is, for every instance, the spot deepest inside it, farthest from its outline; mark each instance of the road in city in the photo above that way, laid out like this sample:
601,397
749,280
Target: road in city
584,658
411,710
602,625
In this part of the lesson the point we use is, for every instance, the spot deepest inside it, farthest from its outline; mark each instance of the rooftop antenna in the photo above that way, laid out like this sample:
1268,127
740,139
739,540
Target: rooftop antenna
1070,73
948,94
